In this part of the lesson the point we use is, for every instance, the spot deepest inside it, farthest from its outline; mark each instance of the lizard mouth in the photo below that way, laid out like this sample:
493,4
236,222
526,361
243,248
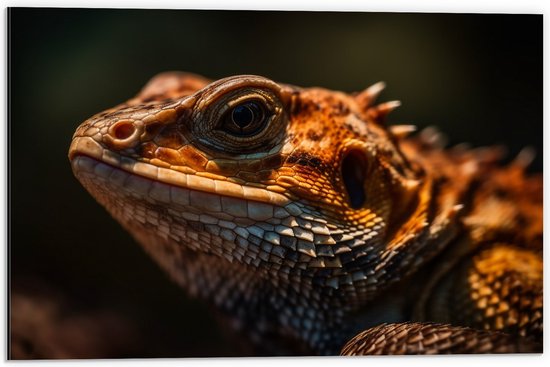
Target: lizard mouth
99,169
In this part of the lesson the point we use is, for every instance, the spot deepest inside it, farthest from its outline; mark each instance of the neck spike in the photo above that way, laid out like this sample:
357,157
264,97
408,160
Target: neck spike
367,97
402,131
380,112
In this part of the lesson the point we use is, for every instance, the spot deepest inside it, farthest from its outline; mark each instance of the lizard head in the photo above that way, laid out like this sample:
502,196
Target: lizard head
289,183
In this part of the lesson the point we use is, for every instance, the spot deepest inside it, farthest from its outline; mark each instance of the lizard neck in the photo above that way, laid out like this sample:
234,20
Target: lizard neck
279,316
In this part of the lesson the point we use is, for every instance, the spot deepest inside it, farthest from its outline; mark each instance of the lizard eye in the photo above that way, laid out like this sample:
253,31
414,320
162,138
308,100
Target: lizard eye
239,115
245,119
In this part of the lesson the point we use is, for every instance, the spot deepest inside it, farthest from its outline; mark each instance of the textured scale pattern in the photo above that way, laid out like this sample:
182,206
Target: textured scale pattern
305,219
426,338
499,289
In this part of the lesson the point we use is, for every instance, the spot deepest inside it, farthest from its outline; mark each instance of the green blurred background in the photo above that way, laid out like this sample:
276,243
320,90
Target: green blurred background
477,77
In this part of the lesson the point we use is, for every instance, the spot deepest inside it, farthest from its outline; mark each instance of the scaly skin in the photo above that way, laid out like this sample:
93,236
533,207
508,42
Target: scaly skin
305,220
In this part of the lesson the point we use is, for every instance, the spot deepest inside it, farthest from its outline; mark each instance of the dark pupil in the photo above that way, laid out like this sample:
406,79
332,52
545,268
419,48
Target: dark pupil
245,114
245,119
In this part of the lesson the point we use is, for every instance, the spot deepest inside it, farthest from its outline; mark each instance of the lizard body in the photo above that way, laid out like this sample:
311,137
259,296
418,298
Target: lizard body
306,220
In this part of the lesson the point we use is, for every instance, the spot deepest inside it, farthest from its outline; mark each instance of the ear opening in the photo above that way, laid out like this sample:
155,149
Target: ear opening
354,169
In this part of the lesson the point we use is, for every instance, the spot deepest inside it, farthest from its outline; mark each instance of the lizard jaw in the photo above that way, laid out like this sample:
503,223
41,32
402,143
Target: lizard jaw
87,146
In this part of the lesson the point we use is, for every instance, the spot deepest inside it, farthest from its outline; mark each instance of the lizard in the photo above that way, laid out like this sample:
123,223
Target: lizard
314,227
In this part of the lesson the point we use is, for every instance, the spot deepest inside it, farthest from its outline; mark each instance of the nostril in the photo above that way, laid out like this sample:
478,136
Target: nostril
354,174
123,130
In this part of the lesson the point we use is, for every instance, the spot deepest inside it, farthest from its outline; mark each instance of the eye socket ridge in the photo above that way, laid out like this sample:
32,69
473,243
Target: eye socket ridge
245,118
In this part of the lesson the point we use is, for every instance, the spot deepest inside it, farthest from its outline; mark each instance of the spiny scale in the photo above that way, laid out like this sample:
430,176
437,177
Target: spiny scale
367,97
402,131
380,112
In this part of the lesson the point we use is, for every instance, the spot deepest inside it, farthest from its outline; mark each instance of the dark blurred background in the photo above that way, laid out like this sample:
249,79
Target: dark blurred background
477,77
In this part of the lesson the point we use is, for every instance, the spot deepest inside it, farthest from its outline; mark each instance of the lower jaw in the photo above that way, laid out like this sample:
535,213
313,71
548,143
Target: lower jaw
109,184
